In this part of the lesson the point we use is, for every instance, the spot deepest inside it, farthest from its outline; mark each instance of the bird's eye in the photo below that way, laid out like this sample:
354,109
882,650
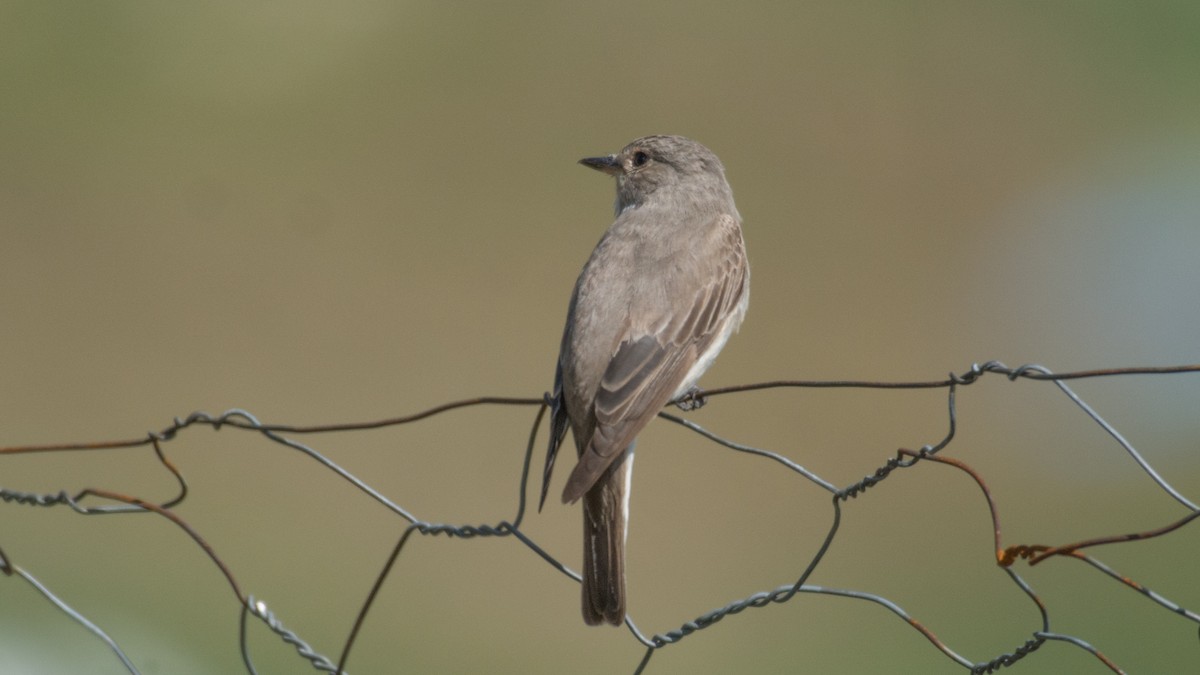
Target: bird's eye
640,158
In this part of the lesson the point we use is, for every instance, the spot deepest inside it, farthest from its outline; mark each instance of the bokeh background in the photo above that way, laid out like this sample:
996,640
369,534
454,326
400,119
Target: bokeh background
328,212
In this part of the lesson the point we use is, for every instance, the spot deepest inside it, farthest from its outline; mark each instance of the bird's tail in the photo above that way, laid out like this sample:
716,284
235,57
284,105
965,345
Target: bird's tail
605,523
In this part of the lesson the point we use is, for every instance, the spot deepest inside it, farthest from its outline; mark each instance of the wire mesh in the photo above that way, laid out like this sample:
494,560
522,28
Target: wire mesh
1009,557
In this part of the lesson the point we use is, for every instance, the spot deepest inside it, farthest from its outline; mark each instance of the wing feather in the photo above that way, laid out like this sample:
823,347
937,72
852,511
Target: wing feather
647,370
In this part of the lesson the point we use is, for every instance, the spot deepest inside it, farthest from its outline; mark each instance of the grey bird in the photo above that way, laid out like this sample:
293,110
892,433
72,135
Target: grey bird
657,300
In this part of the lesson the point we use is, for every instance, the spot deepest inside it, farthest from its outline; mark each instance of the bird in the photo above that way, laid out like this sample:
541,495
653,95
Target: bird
657,300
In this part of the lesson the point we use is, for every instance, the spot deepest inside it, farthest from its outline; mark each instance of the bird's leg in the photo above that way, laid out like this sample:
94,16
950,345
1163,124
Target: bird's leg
692,400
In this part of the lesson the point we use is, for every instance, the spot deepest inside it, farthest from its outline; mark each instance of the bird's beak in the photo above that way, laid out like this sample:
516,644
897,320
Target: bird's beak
608,165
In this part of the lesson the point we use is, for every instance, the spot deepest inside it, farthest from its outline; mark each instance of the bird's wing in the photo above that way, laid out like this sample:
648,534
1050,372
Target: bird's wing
558,430
647,370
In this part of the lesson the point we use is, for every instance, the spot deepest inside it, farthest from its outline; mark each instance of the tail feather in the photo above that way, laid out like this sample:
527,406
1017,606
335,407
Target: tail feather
605,523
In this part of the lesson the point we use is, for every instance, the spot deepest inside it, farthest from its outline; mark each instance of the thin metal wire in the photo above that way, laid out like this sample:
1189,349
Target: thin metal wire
750,450
1111,431
9,569
258,608
113,503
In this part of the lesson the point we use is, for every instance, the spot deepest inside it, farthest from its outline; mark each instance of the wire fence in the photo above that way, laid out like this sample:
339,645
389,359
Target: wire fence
1009,557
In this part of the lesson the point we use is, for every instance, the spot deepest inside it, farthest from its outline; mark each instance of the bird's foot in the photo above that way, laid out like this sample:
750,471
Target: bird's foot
693,400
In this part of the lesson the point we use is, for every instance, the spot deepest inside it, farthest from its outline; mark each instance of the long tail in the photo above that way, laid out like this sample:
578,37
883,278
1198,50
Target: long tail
605,523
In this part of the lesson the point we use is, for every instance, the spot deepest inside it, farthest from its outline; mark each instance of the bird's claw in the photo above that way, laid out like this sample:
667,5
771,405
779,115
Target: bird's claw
693,400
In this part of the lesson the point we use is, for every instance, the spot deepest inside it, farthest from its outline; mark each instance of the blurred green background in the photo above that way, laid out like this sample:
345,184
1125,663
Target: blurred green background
325,212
